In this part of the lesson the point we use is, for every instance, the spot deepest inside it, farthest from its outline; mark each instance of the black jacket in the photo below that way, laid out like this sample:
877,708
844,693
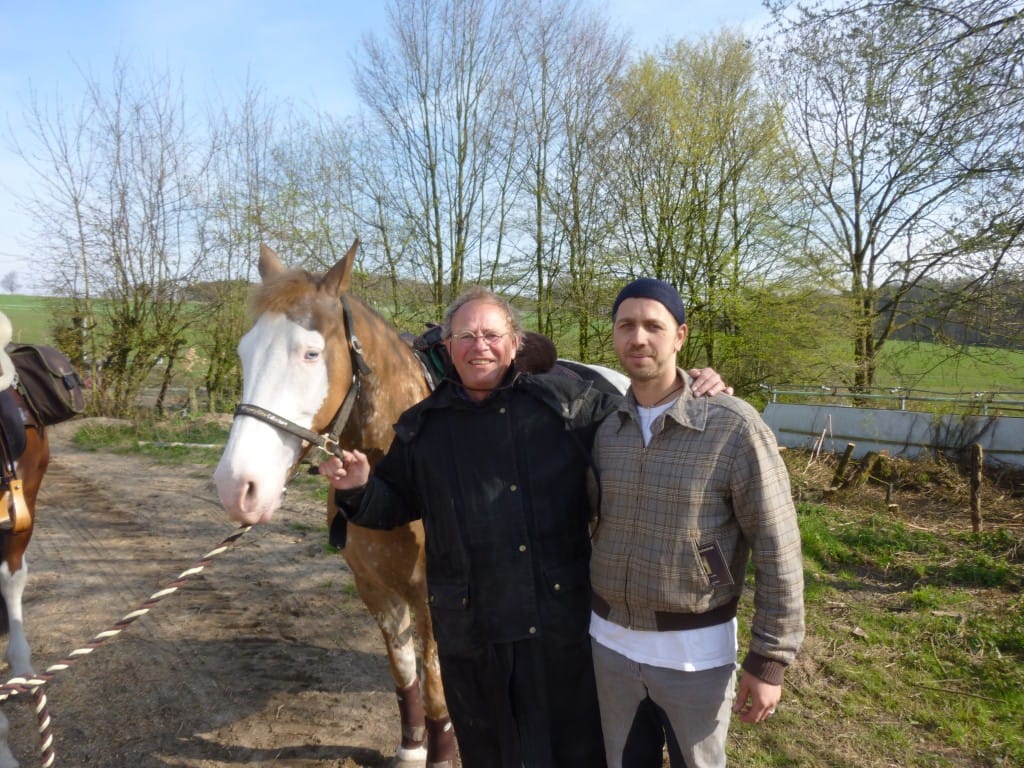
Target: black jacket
501,487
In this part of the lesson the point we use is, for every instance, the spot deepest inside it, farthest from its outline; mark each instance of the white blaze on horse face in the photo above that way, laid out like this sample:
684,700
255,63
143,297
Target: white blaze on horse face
284,372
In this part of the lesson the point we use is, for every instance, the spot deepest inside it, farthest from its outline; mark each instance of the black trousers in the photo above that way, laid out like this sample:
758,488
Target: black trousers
650,733
527,704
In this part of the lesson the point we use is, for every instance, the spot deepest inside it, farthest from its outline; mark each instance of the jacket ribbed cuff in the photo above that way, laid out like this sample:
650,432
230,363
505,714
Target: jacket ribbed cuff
763,668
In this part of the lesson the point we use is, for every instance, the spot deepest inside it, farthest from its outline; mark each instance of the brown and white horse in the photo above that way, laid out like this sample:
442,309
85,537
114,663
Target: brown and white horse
322,368
14,539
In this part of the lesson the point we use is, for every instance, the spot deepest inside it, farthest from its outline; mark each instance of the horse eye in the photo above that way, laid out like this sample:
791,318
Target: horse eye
312,355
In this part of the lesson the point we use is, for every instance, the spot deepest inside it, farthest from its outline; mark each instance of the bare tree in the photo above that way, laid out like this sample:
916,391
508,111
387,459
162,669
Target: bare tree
275,179
10,282
117,179
434,91
242,211
569,59
907,116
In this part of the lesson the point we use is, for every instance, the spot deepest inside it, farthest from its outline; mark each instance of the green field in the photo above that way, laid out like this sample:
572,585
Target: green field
31,317
935,368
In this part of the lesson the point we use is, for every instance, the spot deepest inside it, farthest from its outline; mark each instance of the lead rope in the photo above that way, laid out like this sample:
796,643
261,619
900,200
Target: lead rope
45,735
34,685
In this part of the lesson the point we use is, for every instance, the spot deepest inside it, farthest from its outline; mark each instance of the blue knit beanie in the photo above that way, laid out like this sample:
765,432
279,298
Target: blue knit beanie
649,288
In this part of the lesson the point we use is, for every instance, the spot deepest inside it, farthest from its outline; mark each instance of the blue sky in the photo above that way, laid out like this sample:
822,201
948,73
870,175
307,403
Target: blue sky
296,50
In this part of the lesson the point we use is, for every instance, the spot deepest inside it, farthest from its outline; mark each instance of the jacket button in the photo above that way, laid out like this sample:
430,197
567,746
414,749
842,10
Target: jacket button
533,630
522,547
513,487
465,602
558,587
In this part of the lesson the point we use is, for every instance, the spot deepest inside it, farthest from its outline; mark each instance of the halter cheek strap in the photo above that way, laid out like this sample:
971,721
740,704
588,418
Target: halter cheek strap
326,441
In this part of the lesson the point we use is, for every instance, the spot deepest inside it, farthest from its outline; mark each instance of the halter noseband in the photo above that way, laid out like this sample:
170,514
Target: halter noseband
328,441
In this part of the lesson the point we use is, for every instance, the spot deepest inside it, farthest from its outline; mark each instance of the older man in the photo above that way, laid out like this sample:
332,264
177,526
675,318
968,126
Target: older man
495,462
690,489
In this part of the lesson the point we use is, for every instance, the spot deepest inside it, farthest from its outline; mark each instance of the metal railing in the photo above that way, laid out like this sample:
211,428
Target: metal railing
975,402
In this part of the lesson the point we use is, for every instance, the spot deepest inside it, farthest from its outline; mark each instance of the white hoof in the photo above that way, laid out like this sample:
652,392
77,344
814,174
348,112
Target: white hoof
404,758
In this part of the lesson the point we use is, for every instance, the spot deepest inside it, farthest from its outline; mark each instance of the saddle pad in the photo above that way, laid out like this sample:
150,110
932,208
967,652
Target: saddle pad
12,426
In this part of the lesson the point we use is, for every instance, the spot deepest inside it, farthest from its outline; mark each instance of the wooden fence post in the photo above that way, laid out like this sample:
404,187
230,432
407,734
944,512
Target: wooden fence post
867,466
837,478
977,470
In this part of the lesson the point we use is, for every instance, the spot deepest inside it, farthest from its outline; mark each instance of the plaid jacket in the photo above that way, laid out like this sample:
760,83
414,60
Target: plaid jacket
681,518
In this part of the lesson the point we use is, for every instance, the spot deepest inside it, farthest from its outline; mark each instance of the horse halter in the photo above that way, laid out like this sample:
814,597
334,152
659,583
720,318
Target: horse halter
328,441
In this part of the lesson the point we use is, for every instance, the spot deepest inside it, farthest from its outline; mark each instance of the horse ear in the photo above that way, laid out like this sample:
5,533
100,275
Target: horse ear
337,279
269,263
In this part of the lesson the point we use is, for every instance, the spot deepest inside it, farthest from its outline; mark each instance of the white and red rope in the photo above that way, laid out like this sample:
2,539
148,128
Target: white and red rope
34,684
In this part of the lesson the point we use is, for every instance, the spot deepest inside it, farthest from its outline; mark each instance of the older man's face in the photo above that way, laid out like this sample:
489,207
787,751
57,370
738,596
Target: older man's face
482,346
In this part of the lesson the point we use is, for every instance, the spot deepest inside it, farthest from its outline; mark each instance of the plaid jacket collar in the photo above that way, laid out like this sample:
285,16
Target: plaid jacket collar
688,411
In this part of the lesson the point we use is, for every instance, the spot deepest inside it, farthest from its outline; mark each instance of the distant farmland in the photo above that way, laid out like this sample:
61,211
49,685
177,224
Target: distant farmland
31,317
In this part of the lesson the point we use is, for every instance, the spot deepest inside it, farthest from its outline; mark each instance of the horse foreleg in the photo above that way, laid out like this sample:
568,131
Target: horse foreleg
12,586
394,590
6,757
395,623
441,749
18,654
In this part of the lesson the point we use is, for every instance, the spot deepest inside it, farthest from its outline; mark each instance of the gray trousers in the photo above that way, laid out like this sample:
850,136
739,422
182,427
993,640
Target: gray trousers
696,706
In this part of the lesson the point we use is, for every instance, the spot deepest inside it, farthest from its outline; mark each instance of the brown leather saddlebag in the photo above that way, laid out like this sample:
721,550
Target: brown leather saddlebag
48,381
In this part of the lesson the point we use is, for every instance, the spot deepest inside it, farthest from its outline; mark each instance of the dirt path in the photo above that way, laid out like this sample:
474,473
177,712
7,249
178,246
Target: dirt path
265,658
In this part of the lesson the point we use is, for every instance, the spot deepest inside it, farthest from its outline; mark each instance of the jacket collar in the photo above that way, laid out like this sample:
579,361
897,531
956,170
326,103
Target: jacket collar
562,395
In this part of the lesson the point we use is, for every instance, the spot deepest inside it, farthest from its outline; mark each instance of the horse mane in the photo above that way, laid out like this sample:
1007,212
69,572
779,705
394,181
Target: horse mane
296,294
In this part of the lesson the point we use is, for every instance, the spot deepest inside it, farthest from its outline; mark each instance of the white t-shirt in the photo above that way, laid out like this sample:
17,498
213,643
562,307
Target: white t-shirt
688,650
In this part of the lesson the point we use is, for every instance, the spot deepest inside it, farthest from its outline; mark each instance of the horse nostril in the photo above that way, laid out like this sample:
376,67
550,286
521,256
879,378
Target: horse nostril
249,492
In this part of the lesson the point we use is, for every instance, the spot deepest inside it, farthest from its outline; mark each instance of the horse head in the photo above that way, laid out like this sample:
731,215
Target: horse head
297,366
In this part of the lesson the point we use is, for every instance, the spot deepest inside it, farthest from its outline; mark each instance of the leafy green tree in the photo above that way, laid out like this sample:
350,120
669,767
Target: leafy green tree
700,183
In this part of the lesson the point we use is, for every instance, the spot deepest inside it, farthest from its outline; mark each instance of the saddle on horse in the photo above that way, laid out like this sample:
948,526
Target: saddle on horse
12,445
12,441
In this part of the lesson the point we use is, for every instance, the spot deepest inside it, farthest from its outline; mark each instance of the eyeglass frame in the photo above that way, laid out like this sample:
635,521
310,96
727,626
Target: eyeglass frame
491,338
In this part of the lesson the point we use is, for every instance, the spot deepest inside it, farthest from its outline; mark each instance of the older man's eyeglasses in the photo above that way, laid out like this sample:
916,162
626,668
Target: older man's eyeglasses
467,338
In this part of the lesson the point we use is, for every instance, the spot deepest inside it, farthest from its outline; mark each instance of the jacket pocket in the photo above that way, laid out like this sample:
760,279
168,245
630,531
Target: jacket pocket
566,603
449,596
714,566
452,617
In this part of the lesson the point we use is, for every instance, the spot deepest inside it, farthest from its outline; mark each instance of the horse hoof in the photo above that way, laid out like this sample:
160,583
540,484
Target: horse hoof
407,758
